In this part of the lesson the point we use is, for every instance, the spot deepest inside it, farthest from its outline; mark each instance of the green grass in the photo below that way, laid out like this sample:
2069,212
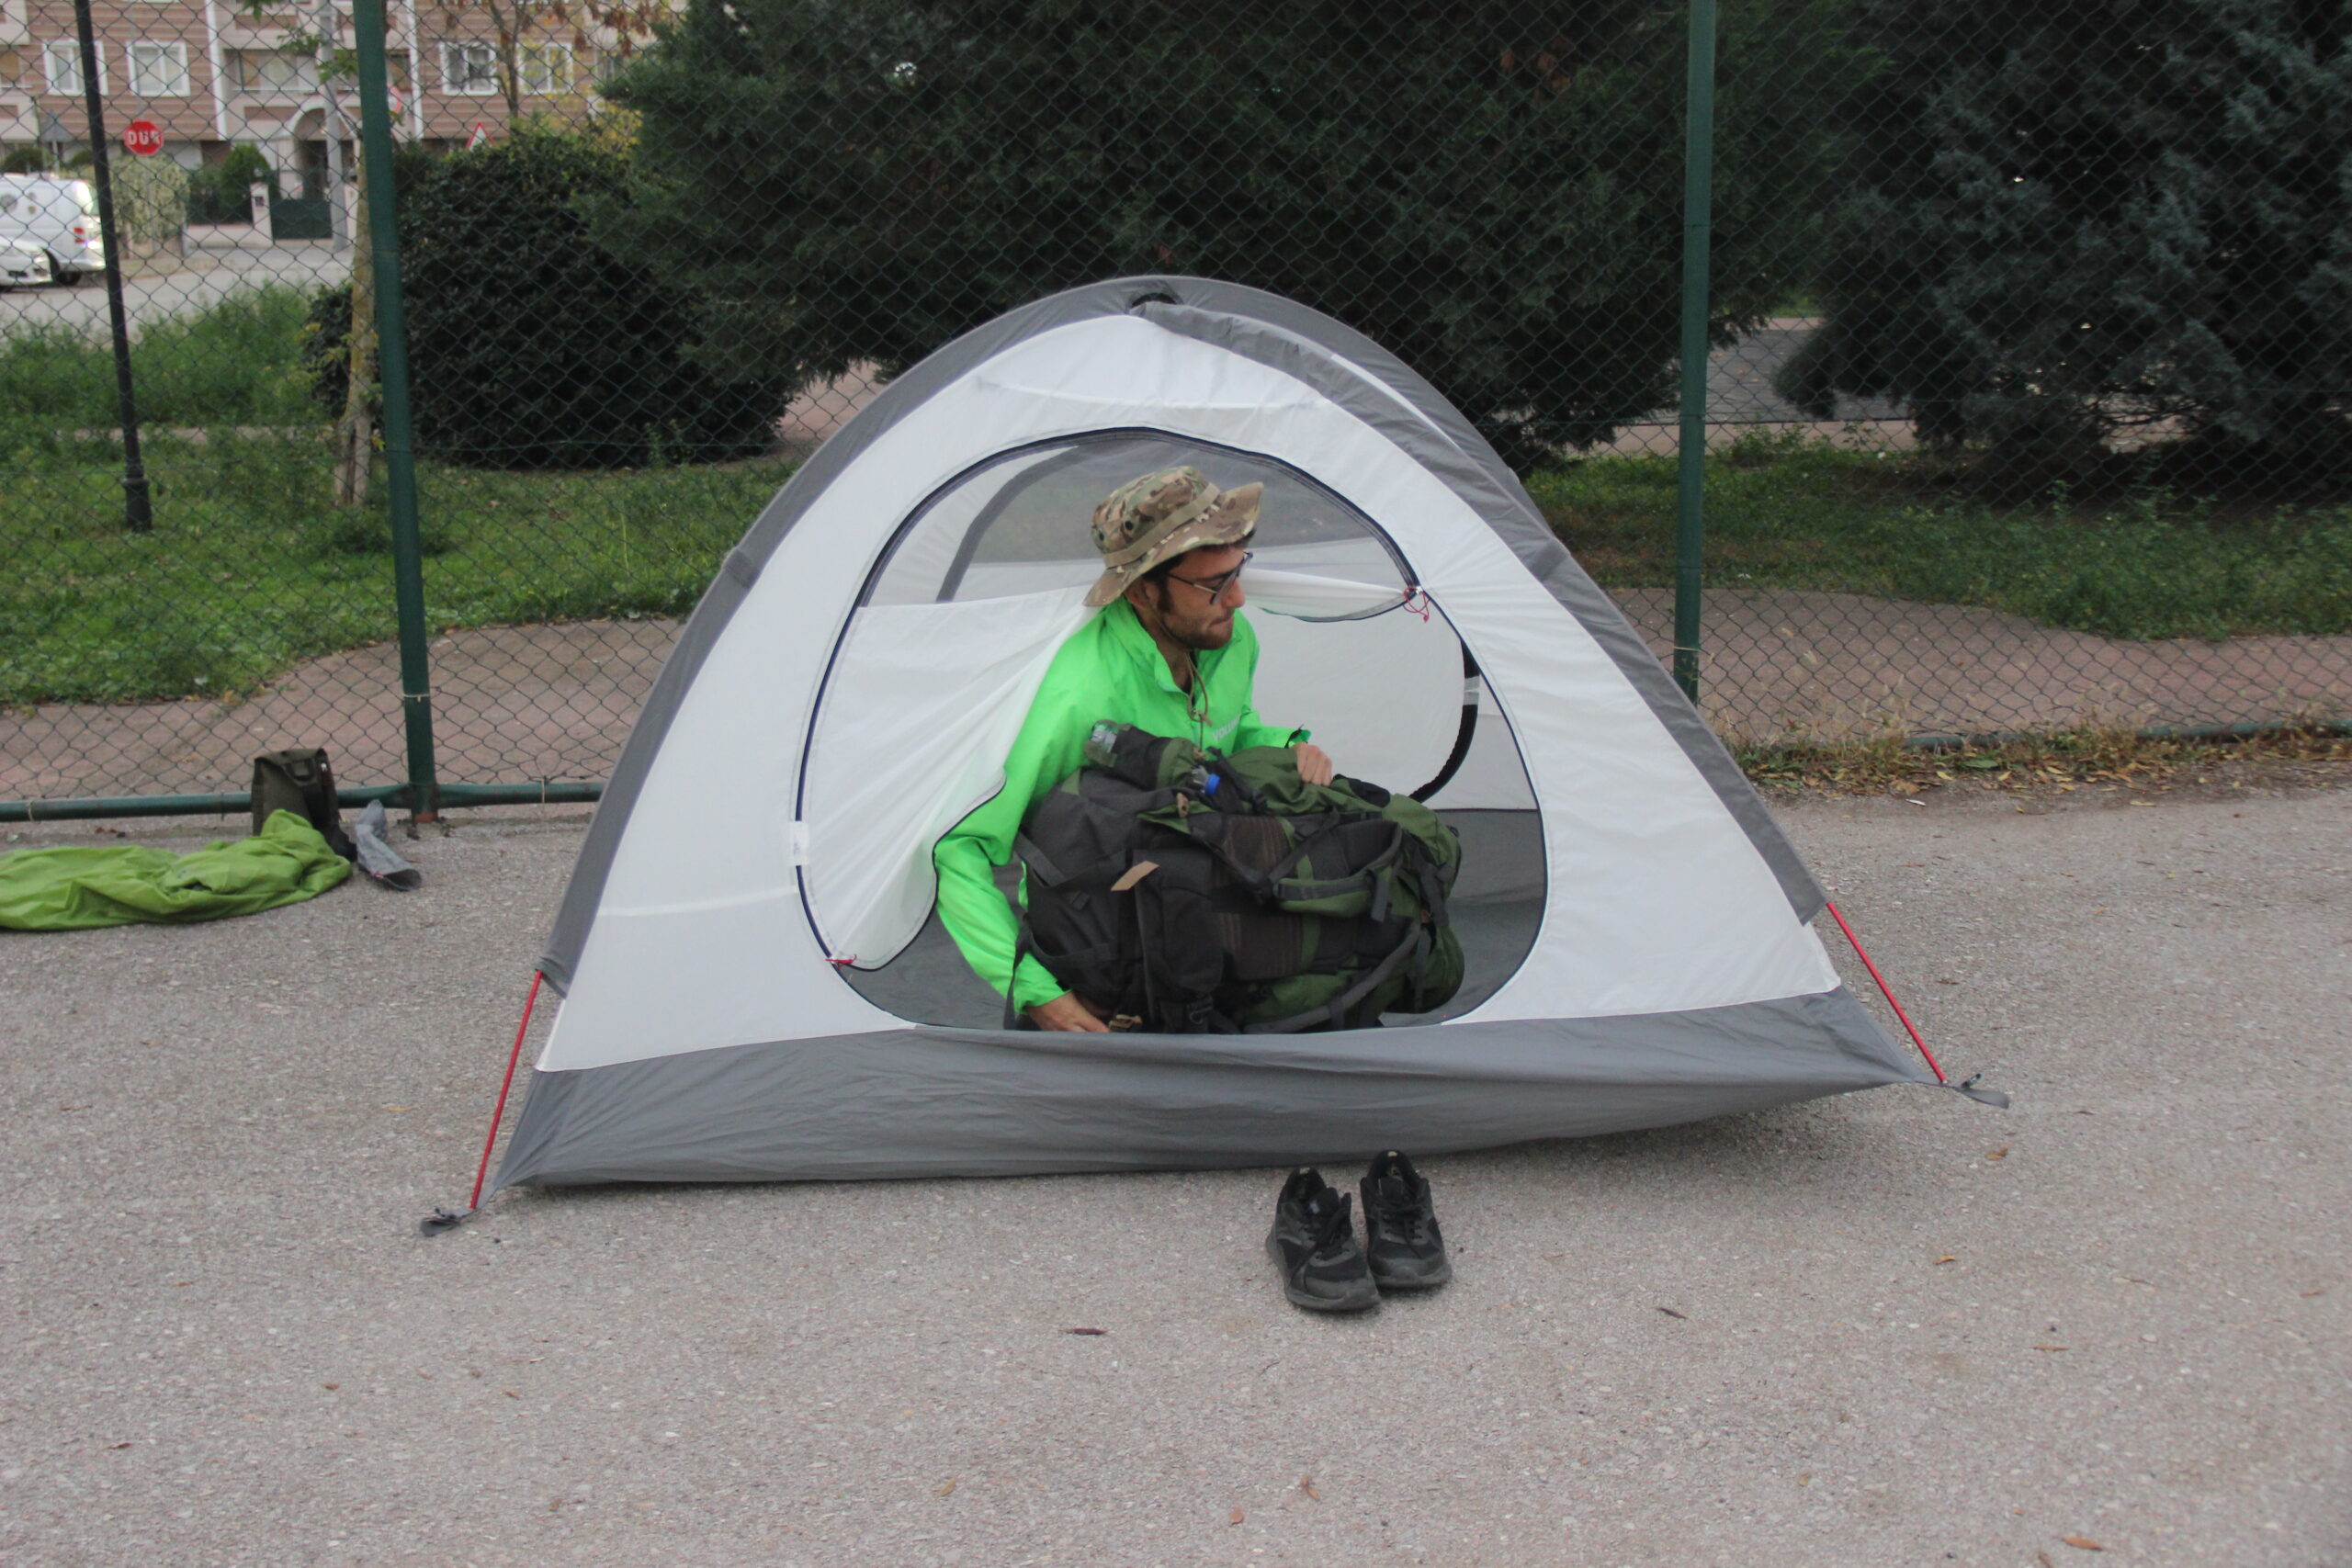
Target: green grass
1788,513
234,364
250,569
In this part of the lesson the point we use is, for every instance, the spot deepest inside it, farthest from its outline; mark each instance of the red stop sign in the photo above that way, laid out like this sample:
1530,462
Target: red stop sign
144,136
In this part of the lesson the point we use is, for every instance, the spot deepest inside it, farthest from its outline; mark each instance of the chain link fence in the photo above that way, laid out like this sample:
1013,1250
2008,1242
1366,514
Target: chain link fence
2024,411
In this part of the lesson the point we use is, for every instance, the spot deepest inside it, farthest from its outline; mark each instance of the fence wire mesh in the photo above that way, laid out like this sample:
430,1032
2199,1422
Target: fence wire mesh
2027,409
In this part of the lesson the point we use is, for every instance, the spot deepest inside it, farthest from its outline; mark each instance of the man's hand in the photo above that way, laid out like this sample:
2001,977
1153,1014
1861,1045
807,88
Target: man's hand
1069,1013
1314,763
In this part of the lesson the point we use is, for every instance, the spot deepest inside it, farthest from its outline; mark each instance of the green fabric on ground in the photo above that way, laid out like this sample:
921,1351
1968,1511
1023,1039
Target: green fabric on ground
76,887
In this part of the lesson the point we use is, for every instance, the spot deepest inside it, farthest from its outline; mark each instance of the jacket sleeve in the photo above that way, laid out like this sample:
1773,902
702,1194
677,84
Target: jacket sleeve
1050,747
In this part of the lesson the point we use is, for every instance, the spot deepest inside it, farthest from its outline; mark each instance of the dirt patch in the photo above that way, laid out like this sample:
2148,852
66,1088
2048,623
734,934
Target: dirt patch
510,703
1780,664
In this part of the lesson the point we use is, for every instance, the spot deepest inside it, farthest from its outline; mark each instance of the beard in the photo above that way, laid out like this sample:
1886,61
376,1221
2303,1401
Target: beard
1204,638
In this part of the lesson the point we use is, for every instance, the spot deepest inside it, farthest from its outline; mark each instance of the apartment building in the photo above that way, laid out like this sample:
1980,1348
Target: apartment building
212,74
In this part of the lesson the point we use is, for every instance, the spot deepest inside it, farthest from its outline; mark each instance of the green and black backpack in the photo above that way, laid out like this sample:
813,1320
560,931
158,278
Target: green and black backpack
1193,893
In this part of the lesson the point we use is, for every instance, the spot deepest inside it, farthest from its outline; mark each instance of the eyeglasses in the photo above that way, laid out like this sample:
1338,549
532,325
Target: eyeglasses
1214,587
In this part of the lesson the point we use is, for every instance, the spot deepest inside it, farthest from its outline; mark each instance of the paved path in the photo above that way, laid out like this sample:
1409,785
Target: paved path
1903,1329
555,702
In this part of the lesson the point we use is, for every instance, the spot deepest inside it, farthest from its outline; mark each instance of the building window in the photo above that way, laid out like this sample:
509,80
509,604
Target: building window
61,58
396,70
273,72
158,69
606,65
12,67
544,68
469,68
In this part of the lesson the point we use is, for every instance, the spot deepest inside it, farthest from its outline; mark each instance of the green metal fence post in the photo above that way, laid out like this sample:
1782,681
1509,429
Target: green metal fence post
400,464
1698,203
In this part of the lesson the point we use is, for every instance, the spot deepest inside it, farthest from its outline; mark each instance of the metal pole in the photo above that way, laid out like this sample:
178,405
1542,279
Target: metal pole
1698,205
400,463
137,510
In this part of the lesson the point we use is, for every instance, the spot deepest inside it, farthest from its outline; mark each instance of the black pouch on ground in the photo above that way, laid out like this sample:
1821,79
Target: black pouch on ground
1206,894
301,781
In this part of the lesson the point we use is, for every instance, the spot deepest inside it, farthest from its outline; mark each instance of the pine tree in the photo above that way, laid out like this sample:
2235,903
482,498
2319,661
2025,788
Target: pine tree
2064,221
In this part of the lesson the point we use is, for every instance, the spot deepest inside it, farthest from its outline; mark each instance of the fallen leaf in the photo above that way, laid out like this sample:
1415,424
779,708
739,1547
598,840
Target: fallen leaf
1236,1518
1806,1480
1947,1258
1086,1331
2043,1558
118,1445
330,1387
944,1487
1307,1485
1671,1313
510,1394
2321,1292
2083,1542
2001,1153
2050,1347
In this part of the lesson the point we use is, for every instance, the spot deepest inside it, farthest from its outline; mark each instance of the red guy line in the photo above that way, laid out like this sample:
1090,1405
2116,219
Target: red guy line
516,1055
1883,990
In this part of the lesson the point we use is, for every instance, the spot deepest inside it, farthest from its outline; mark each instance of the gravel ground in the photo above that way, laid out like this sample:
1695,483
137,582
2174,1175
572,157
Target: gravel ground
1896,1328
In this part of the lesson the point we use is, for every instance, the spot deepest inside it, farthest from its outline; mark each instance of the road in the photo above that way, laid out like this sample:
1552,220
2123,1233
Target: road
1894,1328
211,270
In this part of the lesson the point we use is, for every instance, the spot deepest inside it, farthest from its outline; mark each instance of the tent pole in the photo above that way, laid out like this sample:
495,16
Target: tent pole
1698,205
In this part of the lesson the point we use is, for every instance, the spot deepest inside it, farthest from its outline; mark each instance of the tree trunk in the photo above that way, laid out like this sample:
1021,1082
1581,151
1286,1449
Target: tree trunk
355,433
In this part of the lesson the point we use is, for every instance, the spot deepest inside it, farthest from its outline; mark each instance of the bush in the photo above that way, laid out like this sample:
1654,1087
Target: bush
150,199
1491,190
2065,219
528,346
222,192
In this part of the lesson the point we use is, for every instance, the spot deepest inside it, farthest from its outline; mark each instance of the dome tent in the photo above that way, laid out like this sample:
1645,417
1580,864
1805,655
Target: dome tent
755,986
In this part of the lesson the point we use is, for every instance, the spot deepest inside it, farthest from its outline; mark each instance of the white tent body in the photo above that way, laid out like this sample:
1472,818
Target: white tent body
850,686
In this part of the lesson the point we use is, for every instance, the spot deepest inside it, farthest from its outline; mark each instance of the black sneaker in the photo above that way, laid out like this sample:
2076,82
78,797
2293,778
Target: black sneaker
1314,1244
1402,1243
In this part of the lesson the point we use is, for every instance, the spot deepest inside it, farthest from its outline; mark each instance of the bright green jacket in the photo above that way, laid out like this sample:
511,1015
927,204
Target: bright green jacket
1110,669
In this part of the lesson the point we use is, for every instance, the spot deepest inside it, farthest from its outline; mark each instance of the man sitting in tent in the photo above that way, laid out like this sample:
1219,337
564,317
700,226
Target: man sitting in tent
1169,653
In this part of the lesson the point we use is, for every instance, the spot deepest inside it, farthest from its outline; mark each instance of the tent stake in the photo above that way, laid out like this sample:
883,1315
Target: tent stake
1883,990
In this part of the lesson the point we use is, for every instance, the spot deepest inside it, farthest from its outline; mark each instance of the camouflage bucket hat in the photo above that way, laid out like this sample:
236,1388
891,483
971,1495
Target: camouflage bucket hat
1160,517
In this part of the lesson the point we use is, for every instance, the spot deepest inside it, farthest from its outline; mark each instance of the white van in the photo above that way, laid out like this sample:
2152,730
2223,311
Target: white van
57,214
